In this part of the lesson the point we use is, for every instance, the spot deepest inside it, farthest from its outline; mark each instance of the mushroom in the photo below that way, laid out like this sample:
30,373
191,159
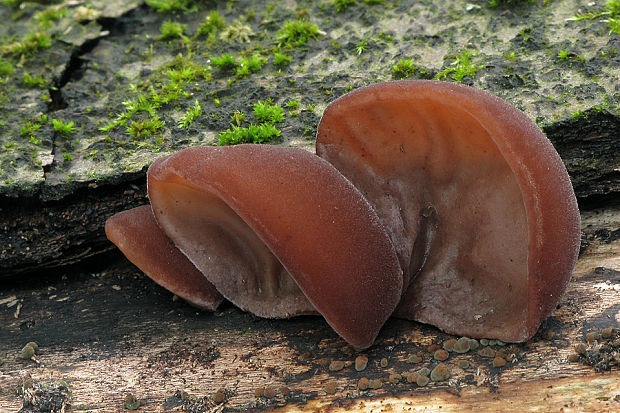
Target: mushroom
476,200
136,234
279,232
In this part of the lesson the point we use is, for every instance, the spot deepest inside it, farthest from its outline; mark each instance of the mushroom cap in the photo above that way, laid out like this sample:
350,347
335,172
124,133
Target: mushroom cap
477,202
136,234
249,215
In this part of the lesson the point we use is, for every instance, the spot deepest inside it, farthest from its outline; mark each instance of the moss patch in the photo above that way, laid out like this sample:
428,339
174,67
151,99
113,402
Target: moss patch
140,83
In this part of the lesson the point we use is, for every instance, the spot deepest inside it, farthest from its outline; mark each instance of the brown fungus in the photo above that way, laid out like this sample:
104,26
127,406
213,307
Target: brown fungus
136,234
476,200
279,232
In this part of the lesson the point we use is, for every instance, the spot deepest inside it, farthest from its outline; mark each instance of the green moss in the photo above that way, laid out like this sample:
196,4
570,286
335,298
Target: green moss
211,25
6,68
570,57
614,24
407,68
267,112
512,56
296,33
183,70
172,30
361,46
580,114
343,4
142,103
237,118
165,6
248,66
262,133
29,45
145,127
404,68
225,62
30,128
180,72
63,128
46,18
461,67
611,13
92,154
281,60
613,7
191,115
384,37
34,81
292,104
496,3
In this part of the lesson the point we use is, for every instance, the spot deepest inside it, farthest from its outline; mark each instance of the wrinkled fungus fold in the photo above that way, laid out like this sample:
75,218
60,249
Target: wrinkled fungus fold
476,200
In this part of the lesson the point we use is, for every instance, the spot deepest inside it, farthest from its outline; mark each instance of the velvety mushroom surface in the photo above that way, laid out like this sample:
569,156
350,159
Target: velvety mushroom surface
476,200
279,232
136,233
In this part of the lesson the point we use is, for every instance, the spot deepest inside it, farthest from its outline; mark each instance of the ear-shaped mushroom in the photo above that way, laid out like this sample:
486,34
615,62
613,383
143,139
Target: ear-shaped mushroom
136,234
476,200
248,216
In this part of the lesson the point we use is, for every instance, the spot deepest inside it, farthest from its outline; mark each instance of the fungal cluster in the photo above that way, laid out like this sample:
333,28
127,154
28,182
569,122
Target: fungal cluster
428,200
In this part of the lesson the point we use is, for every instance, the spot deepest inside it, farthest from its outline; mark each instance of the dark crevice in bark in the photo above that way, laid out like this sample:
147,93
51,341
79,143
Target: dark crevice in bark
74,70
599,201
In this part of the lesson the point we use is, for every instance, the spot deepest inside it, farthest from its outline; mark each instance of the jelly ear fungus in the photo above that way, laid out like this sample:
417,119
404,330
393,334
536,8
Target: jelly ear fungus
136,233
279,232
475,199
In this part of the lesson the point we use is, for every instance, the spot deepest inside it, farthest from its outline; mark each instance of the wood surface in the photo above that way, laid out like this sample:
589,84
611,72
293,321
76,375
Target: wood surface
106,331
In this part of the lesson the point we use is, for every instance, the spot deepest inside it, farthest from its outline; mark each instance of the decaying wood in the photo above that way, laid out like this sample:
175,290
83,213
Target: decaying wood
587,394
37,235
589,148
108,332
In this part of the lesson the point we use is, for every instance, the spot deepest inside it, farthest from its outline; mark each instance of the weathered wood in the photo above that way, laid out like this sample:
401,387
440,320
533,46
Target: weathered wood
589,148
36,235
107,332
583,394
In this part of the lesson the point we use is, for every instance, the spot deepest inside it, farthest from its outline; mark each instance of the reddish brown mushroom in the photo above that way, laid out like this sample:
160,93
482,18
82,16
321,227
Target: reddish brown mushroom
279,232
476,200
136,234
